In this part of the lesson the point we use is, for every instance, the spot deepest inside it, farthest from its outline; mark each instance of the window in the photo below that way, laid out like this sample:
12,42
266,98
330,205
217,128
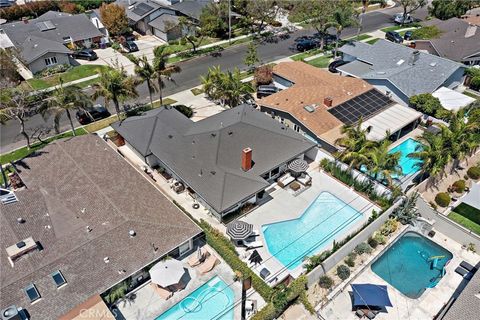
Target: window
59,279
32,293
51,61
282,120
296,128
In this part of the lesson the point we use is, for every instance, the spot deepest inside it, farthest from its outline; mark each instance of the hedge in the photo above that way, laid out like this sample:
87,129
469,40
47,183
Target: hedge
474,173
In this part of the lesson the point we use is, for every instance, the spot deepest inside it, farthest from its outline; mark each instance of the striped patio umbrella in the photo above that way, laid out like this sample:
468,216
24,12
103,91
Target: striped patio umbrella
298,166
239,230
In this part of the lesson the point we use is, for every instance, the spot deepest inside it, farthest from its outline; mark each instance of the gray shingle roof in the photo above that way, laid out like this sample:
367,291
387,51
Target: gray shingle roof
391,61
63,178
191,8
467,305
35,47
164,22
207,154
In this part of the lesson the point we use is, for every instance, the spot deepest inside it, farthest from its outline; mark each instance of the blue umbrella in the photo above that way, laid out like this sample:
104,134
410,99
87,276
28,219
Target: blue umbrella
370,295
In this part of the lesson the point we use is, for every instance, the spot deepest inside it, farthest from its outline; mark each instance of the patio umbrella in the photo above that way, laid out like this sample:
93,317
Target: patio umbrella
255,257
371,295
298,166
167,273
239,230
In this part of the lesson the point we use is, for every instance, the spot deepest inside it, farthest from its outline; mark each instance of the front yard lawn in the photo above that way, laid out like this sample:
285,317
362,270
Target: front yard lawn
306,54
467,216
372,41
73,74
360,37
321,62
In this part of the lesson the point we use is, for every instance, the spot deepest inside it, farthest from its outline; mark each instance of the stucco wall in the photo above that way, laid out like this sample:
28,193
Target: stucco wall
39,64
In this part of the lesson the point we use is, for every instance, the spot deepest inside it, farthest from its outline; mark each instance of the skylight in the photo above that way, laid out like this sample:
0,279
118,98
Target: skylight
59,279
400,62
32,293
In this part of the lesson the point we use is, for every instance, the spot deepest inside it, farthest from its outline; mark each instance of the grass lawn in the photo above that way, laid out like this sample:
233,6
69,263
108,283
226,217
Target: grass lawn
392,28
320,62
467,216
196,91
372,41
360,37
23,152
74,73
306,54
473,95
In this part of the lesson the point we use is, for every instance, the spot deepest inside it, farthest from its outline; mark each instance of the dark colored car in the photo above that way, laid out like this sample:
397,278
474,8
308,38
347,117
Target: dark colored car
408,35
85,54
394,37
130,46
332,67
327,37
95,113
307,44
303,38
266,90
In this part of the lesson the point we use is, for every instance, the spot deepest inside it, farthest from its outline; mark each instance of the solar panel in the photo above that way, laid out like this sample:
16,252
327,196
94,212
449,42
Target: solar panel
363,106
142,9
45,25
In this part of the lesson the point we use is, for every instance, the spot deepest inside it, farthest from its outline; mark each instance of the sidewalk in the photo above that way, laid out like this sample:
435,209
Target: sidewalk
69,83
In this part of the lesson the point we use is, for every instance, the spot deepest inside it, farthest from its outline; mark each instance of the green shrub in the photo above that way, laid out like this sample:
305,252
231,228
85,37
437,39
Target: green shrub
325,282
372,242
353,255
380,238
389,227
362,248
442,199
425,33
350,262
183,41
116,46
185,110
474,173
475,83
343,272
315,260
459,186
268,312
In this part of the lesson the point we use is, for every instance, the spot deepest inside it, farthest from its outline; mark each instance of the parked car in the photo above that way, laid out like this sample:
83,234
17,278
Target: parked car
97,112
398,18
307,44
130,46
303,38
266,90
394,37
332,67
327,37
408,35
85,54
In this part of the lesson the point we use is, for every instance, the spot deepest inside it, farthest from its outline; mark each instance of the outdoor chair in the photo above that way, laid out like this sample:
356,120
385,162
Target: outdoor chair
252,244
371,315
194,260
359,313
467,266
464,273
162,292
208,264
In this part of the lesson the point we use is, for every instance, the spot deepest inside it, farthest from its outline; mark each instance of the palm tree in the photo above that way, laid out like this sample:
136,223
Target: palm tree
355,144
383,164
234,90
343,16
431,153
116,86
161,68
146,72
65,100
460,137
211,83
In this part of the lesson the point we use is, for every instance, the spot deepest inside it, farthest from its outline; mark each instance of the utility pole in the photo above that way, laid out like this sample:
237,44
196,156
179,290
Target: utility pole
229,21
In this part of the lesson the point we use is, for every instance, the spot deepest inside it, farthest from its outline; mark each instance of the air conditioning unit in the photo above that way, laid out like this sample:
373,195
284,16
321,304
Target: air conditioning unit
11,313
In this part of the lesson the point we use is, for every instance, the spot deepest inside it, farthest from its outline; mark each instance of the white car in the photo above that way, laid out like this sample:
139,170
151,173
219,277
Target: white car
398,18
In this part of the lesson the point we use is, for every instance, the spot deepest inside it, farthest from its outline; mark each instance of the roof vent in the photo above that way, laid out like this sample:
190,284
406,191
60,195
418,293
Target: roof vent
88,229
212,172
308,108
132,233
83,210
433,64
106,259
20,220
213,134
230,133
170,136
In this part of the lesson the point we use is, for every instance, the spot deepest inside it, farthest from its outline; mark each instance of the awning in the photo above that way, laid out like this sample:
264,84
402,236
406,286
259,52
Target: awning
391,119
298,166
239,230
452,100
371,295
167,273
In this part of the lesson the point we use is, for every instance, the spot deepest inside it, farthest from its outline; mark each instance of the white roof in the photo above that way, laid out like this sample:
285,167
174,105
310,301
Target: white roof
472,197
452,100
392,119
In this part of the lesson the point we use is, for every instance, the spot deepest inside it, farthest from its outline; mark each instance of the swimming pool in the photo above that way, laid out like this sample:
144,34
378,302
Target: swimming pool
213,300
409,165
412,264
291,240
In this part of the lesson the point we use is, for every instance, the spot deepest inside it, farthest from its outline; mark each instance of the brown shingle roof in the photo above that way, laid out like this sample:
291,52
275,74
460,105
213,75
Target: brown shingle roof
62,179
312,86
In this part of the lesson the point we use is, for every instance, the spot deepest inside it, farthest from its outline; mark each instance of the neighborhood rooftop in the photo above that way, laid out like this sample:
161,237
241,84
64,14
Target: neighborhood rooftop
410,70
81,205
467,305
207,154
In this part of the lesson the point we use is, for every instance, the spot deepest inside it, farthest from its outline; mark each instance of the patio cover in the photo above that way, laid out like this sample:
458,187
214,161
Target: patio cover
167,273
239,230
372,295
473,198
452,100
392,119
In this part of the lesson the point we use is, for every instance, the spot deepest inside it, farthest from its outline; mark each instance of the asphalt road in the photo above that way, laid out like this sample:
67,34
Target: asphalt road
193,69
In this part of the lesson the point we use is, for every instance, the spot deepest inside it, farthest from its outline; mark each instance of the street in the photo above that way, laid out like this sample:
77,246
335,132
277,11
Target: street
192,70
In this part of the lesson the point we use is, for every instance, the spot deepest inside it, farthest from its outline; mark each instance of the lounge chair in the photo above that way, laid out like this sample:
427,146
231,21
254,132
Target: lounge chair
162,292
464,273
285,180
467,266
208,264
194,260
371,315
252,244
359,313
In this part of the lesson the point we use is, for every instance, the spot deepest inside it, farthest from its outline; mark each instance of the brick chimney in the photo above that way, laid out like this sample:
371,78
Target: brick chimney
246,159
327,101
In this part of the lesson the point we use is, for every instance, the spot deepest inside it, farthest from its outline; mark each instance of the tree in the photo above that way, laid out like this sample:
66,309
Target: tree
146,72
355,143
409,6
343,16
251,57
381,163
63,101
213,21
263,75
161,68
445,10
260,13
16,104
116,86
9,76
425,103
318,13
114,18
407,211
431,154
190,33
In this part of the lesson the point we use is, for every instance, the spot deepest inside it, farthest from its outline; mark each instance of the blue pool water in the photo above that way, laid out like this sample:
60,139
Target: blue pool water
409,266
409,165
291,240
213,300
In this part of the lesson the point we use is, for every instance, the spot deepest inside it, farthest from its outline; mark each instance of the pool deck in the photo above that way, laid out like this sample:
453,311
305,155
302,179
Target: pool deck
425,307
285,206
148,304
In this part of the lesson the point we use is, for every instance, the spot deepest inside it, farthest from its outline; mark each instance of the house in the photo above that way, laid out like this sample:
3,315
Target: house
48,40
399,71
317,104
226,161
459,40
86,221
